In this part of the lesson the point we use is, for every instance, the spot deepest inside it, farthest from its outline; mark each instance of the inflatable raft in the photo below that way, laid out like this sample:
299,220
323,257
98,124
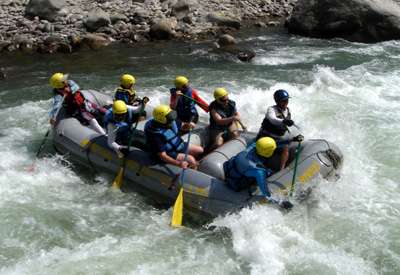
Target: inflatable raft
205,190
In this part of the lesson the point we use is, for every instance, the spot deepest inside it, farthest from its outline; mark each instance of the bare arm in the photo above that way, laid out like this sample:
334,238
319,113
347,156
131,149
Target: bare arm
224,121
164,157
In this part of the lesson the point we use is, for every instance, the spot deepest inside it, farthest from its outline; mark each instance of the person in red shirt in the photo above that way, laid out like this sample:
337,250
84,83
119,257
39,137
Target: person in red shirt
183,100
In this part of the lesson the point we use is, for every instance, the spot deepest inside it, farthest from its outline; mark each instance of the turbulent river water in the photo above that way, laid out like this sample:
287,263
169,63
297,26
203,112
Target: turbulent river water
63,219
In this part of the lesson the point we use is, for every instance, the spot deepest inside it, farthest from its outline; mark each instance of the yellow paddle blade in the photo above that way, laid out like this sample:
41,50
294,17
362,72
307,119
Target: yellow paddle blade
176,220
118,179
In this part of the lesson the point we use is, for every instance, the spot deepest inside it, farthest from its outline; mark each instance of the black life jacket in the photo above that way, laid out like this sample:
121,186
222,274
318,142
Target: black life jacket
223,111
267,127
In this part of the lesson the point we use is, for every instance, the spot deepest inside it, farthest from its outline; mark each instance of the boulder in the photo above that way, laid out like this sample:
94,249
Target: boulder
95,41
4,44
226,45
222,20
181,9
226,40
3,74
242,54
163,29
96,19
365,21
45,9
140,15
117,17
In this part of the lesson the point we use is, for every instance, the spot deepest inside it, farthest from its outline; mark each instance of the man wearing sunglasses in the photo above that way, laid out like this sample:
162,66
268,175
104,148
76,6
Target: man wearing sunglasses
223,119
275,125
162,135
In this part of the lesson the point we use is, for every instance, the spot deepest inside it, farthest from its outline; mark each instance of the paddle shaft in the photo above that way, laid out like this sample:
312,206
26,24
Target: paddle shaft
177,213
48,131
194,100
118,182
42,144
295,168
186,155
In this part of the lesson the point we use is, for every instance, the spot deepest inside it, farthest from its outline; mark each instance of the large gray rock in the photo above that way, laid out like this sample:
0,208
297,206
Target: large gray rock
95,41
45,9
163,29
96,19
355,20
181,9
222,20
226,40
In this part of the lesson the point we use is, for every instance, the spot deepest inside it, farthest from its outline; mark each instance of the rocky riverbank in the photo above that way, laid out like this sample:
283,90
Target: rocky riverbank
49,26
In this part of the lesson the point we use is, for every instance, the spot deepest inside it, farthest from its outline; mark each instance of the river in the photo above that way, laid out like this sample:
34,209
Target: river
62,219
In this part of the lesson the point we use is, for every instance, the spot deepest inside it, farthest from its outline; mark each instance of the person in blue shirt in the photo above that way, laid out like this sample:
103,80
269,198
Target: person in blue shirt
118,122
248,167
183,100
127,94
164,141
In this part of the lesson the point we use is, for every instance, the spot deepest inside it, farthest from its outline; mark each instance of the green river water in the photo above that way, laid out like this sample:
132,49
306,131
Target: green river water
63,219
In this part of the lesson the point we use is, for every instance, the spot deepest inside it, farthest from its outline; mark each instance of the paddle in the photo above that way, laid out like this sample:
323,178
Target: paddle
177,213
32,166
295,168
240,123
194,100
117,183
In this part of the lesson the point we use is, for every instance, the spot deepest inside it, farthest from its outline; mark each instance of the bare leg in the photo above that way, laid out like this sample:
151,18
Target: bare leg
195,150
190,159
234,130
284,157
216,141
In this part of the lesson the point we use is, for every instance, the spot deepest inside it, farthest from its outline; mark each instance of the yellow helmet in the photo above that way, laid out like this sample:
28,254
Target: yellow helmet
161,112
181,81
127,80
265,147
119,107
219,93
57,80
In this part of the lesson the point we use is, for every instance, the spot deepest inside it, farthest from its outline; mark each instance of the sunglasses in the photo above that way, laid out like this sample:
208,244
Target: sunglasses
119,117
224,99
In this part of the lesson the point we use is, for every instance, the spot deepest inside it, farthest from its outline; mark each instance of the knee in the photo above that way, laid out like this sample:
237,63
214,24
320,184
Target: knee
192,162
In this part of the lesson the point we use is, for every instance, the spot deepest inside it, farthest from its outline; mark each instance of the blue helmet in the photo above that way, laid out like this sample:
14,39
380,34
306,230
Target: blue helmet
281,95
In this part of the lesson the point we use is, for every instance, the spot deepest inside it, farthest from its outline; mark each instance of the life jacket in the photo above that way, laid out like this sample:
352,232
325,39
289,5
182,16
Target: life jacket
169,136
126,95
74,99
223,111
185,108
269,128
238,170
124,130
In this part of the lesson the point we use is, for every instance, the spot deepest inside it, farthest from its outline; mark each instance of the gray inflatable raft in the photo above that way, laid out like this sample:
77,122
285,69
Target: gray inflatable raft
205,191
